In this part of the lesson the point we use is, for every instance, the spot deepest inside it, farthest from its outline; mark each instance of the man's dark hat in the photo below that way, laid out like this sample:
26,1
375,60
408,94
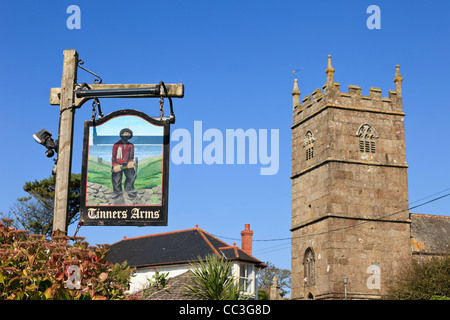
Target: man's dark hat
126,130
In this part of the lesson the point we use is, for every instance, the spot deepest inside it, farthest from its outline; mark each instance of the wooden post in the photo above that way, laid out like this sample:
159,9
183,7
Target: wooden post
65,142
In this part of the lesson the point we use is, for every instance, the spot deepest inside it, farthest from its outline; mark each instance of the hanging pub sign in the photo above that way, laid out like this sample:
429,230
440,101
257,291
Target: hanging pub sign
125,170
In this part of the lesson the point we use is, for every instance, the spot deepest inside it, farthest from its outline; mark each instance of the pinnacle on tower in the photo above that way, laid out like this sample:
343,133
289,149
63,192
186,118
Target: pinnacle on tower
398,77
398,81
330,72
329,66
295,94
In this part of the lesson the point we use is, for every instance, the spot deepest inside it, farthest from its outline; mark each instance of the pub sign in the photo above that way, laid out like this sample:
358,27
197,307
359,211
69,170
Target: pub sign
125,170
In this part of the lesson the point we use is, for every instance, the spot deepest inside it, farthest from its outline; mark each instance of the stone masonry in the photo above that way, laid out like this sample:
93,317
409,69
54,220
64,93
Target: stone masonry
99,195
349,191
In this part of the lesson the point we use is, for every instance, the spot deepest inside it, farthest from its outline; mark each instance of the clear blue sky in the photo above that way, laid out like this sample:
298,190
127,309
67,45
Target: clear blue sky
235,59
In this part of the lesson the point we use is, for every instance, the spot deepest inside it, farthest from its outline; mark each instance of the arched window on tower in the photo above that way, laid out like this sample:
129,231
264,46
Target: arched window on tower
367,135
309,145
308,262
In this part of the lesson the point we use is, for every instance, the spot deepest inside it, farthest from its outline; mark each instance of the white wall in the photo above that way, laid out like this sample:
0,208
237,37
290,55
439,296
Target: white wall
139,281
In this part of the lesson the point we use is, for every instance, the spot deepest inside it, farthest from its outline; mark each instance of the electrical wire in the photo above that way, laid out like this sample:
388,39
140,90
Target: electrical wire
352,226
431,195
271,249
264,252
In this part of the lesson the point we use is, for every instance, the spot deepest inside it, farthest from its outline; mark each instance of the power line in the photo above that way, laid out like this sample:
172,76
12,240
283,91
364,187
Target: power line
368,221
438,198
266,250
431,195
347,227
271,247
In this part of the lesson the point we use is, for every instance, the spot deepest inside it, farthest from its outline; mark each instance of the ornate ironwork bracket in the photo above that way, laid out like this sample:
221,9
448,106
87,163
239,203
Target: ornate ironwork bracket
98,80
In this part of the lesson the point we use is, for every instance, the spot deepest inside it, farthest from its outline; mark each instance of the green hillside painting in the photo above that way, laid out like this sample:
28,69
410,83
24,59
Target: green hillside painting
149,173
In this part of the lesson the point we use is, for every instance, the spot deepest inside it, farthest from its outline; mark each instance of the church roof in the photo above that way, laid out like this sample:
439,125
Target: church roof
178,247
430,233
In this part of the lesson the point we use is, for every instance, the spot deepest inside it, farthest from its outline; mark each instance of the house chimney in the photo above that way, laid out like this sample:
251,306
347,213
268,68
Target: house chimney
247,241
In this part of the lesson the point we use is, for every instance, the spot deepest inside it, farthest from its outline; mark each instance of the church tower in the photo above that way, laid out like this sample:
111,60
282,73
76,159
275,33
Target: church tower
350,220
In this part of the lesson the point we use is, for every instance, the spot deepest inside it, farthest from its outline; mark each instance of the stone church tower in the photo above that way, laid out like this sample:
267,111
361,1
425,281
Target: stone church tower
350,219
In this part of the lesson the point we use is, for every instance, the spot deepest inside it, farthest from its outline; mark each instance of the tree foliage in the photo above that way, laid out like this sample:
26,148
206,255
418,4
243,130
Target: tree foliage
265,278
429,280
33,267
35,211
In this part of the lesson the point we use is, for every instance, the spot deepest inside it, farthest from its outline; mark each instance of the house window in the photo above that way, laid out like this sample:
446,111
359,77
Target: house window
309,145
367,135
308,262
245,277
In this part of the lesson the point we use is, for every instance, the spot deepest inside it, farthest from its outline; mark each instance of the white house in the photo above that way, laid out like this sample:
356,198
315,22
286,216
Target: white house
174,252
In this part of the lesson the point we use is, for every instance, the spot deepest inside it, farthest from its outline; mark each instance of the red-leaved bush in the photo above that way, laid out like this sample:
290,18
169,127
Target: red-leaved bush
33,267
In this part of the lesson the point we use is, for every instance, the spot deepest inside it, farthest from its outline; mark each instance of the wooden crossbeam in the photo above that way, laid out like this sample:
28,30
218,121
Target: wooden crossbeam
175,91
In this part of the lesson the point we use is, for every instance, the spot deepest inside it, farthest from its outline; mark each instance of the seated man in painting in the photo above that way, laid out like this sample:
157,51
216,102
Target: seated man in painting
123,163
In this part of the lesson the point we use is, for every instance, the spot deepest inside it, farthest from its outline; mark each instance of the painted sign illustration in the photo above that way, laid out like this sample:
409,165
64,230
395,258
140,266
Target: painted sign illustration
125,170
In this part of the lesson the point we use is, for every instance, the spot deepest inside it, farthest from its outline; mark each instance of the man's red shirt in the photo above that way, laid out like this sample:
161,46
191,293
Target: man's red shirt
127,153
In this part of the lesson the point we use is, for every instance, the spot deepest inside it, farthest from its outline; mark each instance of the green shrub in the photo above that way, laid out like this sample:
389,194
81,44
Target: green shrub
33,267
429,280
262,295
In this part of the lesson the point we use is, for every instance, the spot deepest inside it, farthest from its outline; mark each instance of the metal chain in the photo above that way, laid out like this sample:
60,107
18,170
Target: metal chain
94,111
161,107
95,106
78,228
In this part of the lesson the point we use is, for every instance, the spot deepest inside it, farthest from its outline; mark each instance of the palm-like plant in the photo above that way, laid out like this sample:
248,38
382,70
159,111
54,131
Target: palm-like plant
212,279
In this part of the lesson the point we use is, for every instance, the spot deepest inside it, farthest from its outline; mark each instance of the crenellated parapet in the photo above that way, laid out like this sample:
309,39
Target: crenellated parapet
331,96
